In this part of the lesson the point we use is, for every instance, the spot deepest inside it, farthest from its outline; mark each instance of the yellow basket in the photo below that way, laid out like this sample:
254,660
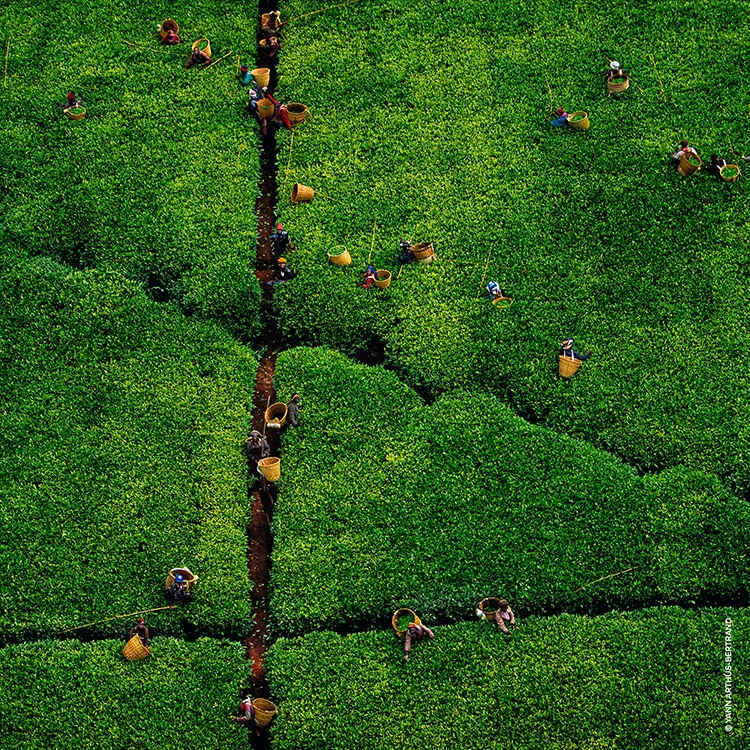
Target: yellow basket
734,178
265,710
582,124
423,250
489,606
190,578
206,48
168,25
297,112
342,259
384,279
135,650
302,193
265,108
398,614
685,168
616,88
76,115
261,76
270,468
276,415
566,366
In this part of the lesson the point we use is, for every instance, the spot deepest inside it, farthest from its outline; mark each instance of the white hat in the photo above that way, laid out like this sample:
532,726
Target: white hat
614,65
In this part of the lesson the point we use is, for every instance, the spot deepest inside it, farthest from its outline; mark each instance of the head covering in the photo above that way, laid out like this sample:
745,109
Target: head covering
140,621
282,260
567,343
256,433
614,65
280,227
243,68
493,286
179,578
295,397
71,96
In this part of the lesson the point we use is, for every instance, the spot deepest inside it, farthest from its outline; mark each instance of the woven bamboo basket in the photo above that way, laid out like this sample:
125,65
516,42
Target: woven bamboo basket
342,259
78,114
265,710
276,415
168,25
398,614
265,108
616,88
506,301
566,366
423,251
270,468
261,76
685,168
206,48
301,193
190,578
297,112
384,279
582,124
732,178
489,606
135,650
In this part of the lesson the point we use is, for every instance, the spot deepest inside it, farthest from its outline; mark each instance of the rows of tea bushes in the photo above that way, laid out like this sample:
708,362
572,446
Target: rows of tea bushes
432,122
386,502
81,696
159,180
650,679
121,431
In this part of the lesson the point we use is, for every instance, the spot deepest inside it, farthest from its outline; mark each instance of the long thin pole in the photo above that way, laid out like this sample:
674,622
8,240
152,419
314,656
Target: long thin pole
116,617
481,283
218,61
580,588
659,76
372,244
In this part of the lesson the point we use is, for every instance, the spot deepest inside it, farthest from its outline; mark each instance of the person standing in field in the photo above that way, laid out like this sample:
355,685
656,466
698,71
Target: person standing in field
141,631
683,148
292,410
256,447
504,616
566,350
415,632
280,241
247,712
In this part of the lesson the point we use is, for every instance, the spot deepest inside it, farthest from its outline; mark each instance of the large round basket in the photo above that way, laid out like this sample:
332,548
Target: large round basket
297,112
616,88
423,252
168,25
301,193
261,76
503,301
489,606
566,366
203,44
265,108
264,711
276,415
398,614
190,577
76,113
135,650
342,259
730,173
270,468
384,279
579,120
686,166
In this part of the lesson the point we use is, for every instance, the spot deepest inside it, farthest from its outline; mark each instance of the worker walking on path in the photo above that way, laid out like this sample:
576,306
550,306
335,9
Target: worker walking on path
280,241
282,273
415,632
256,447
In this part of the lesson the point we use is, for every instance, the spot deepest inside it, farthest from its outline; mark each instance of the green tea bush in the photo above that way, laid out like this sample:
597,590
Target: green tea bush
76,696
386,502
121,430
159,180
623,680
432,120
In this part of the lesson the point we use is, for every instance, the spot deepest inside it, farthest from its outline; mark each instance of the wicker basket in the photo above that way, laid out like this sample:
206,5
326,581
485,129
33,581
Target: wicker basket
270,468
79,114
297,112
342,259
135,650
566,366
384,279
489,606
265,108
265,710
582,124
685,168
190,578
301,193
616,88
733,178
261,76
398,614
276,415
507,301
423,251
206,48
168,25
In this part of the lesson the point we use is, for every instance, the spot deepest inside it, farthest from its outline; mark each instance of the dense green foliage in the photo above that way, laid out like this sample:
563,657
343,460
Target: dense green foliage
432,119
652,679
159,180
73,696
386,502
121,429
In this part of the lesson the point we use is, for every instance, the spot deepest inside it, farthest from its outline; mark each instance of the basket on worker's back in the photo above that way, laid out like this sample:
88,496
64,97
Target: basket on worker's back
202,44
689,163
261,76
384,279
135,650
489,605
402,614
189,577
265,108
270,468
567,366
423,252
622,85
276,415
265,710
168,25
297,112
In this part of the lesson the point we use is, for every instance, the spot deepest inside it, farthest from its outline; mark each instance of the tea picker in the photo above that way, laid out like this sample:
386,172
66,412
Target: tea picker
566,350
256,447
495,292
198,57
561,118
683,148
141,631
504,616
369,275
283,273
270,47
415,632
715,165
292,410
280,241
407,254
244,75
247,712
